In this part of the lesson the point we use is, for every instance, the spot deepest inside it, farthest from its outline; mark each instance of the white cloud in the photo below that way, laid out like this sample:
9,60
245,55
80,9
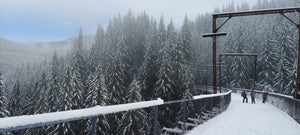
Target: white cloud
87,13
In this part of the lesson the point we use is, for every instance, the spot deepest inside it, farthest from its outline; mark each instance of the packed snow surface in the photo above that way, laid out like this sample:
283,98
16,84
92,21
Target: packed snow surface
17,121
249,119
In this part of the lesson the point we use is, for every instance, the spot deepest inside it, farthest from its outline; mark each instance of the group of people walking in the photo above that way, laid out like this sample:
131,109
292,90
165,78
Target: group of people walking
252,95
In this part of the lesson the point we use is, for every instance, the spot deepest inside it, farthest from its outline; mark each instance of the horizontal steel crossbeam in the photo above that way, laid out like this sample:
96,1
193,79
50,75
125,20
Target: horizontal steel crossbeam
257,12
237,54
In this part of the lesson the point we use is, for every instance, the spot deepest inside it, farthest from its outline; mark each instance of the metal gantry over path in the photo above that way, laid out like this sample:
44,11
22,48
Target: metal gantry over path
237,54
251,13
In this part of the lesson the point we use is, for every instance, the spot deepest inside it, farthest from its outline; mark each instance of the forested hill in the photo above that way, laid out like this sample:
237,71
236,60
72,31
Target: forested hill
15,55
139,58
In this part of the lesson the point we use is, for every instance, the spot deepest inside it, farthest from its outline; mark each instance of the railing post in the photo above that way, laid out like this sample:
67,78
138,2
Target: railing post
220,102
184,116
93,125
155,120
211,105
295,111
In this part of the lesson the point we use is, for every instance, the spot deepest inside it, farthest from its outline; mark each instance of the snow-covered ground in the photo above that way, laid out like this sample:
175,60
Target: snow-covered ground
249,119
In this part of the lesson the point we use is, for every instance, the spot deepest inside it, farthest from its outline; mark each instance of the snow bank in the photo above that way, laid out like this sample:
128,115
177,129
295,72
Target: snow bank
24,121
211,95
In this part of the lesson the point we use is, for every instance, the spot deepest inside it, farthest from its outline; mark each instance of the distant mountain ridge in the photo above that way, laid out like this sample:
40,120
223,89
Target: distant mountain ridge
13,54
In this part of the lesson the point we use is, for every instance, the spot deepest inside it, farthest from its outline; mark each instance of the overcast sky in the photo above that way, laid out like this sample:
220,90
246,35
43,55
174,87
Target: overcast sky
56,20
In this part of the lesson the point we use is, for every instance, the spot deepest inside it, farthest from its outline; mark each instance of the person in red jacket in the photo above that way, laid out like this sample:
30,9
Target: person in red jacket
265,96
244,95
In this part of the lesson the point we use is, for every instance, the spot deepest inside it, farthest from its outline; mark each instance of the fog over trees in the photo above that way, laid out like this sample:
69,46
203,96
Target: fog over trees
137,58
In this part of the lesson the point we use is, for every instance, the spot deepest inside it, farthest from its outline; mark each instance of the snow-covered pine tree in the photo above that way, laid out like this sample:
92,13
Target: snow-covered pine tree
201,46
54,86
148,70
186,42
109,48
240,71
160,39
183,56
97,51
116,87
3,100
54,93
166,86
31,98
115,82
143,35
78,100
229,48
128,42
3,103
42,103
167,74
268,59
124,56
66,103
133,121
79,64
112,37
188,88
32,93
98,95
77,97
287,53
14,105
97,89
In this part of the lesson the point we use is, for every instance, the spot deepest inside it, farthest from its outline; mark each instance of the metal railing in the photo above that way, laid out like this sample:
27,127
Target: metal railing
194,112
165,114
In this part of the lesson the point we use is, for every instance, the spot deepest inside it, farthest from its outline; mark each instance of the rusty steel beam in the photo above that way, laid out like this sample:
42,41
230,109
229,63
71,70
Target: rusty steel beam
215,30
297,91
214,36
257,12
217,65
237,54
223,23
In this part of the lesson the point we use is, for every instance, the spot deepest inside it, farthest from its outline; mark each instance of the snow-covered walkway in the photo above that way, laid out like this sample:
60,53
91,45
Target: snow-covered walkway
249,119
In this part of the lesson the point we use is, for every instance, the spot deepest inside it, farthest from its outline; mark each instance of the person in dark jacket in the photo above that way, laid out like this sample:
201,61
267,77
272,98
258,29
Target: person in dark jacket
252,94
265,96
244,95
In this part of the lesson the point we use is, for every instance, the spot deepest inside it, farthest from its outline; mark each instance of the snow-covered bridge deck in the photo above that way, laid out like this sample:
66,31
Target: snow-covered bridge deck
249,119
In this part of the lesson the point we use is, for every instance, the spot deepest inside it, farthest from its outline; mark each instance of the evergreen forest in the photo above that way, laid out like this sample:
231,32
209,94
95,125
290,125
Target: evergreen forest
138,58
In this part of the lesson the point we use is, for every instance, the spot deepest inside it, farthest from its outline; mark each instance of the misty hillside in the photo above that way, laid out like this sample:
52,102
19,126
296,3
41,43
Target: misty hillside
138,58
13,54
